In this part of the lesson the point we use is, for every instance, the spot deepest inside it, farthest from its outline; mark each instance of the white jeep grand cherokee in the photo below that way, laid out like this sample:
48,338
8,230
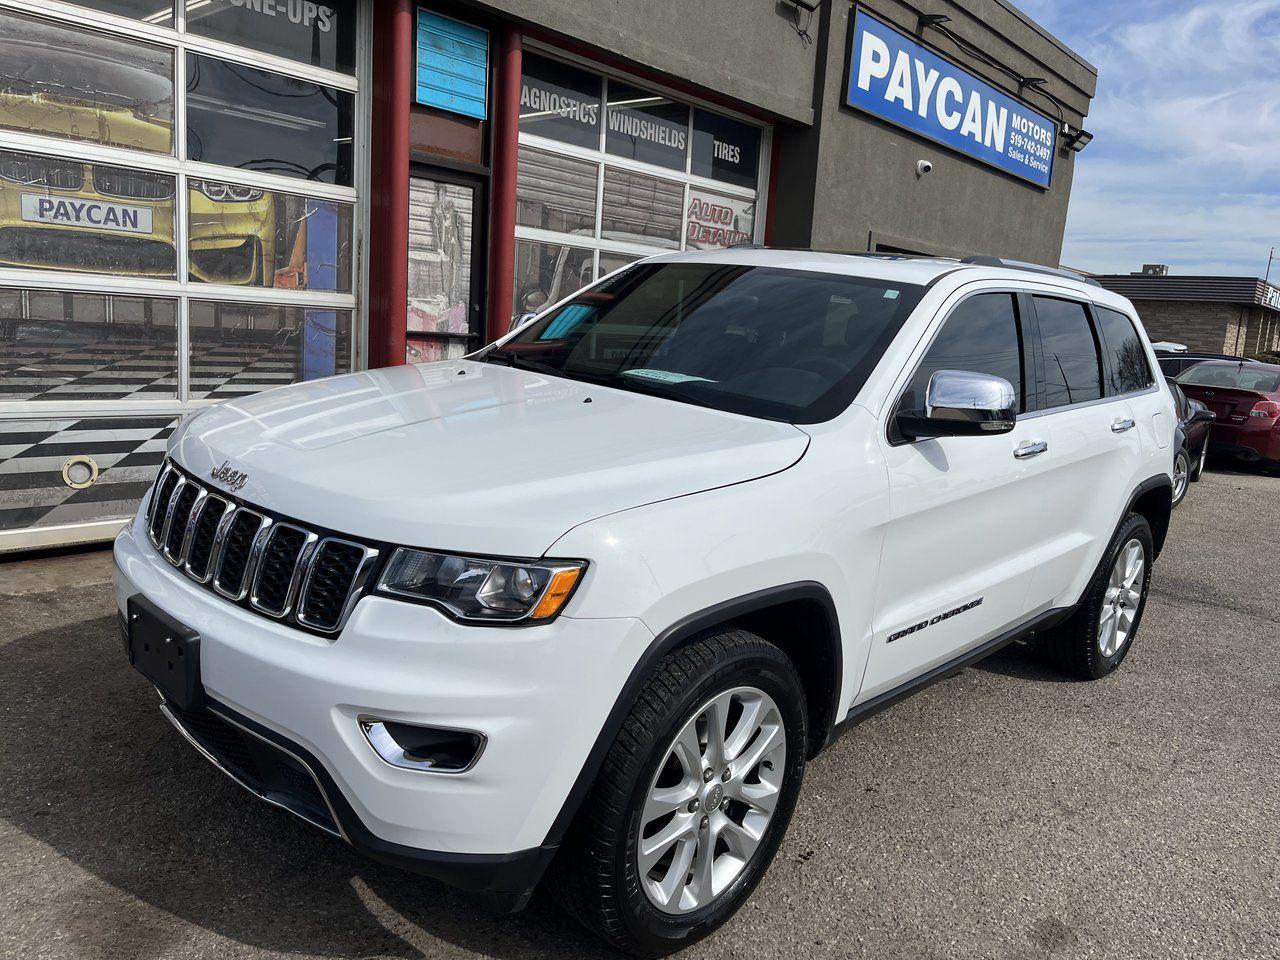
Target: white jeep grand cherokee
584,603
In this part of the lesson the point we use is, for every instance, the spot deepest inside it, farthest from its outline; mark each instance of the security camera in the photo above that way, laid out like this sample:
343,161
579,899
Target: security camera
923,167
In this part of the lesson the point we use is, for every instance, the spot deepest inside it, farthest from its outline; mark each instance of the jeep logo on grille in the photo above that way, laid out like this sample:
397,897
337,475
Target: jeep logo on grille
233,479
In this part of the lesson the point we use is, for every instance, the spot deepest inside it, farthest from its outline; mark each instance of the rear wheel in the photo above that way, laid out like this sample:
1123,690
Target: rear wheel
1181,475
1099,634
693,798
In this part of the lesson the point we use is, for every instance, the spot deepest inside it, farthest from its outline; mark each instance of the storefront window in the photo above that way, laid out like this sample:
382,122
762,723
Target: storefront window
440,244
322,34
241,348
715,220
239,116
253,237
639,186
559,102
58,214
641,209
57,346
156,12
556,193
646,127
547,272
60,81
725,149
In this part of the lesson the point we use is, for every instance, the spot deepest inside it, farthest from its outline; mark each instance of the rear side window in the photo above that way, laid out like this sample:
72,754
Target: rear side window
980,335
1072,370
1127,359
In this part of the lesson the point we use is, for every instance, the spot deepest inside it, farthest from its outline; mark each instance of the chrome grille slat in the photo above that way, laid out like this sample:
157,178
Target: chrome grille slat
258,561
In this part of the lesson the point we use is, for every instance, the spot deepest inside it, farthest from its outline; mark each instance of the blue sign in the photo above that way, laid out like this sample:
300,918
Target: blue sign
453,65
898,80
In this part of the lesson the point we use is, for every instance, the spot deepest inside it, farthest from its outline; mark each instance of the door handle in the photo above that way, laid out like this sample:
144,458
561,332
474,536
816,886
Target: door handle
1029,449
1121,425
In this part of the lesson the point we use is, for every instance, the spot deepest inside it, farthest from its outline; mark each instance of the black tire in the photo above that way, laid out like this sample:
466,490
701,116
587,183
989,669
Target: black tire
1072,647
595,876
1181,460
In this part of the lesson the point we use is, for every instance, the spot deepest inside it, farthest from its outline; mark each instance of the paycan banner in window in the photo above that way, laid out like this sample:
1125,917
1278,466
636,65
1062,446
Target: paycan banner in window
58,214
716,221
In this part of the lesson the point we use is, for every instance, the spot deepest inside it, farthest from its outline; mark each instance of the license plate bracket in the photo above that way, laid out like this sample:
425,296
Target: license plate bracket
166,652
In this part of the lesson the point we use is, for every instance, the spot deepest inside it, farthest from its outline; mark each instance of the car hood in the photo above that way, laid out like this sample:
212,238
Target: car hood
471,456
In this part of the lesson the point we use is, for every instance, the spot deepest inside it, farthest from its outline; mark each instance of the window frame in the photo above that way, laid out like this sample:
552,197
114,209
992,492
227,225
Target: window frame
1028,337
600,156
175,37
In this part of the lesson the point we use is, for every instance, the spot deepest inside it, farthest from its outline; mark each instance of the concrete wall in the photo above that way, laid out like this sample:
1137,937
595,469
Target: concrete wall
746,49
865,170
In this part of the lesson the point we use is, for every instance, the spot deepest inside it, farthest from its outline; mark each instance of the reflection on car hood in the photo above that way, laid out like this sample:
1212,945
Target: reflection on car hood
472,456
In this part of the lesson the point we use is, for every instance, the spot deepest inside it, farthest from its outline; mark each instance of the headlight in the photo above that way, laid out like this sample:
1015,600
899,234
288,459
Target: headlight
222,192
473,588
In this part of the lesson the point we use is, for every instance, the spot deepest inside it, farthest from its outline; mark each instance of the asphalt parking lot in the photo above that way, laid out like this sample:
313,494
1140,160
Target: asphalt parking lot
1003,813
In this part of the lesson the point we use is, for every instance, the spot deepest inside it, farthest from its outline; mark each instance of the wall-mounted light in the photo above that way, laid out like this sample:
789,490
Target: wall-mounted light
1074,138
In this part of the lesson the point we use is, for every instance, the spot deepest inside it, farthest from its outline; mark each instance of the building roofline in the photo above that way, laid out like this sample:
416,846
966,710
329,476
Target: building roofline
1038,28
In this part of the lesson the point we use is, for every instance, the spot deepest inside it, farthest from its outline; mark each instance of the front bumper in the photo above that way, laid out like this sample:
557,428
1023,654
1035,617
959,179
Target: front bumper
539,694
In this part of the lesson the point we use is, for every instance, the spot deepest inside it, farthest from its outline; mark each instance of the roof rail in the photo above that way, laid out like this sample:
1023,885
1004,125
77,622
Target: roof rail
985,261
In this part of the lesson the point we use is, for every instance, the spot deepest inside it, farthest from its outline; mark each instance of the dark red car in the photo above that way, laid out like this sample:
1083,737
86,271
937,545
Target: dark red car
1245,395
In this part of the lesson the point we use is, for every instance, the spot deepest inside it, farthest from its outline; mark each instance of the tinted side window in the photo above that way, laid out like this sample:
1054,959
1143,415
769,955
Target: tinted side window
1128,359
1072,373
980,335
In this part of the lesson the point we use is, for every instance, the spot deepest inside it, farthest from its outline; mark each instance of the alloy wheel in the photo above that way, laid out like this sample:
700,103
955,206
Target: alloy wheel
711,801
1122,599
1181,473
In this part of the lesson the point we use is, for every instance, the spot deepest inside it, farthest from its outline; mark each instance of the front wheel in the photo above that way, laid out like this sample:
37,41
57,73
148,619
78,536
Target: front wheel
1098,635
692,800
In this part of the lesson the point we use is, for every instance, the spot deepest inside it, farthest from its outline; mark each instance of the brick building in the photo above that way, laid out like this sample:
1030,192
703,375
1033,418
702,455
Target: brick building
1233,315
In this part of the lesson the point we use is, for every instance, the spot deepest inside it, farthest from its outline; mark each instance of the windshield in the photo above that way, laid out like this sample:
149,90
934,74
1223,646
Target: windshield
763,341
1259,377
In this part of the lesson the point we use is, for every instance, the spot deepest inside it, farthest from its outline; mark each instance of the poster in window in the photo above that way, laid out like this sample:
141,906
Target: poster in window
559,102
716,221
440,225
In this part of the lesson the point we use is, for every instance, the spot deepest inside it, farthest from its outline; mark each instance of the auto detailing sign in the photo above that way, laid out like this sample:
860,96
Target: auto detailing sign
898,80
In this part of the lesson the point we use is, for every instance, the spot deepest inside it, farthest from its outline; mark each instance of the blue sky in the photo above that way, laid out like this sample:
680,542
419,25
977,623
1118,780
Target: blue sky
1185,165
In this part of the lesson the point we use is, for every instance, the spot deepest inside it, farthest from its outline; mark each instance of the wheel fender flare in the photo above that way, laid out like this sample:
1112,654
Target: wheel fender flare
669,639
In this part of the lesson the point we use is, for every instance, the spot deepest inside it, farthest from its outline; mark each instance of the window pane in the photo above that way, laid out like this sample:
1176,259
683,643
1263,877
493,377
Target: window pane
321,34
645,126
156,12
61,81
717,221
641,209
610,262
1070,354
81,346
239,116
547,272
440,247
556,193
431,349
725,149
262,238
559,101
68,215
980,335
1129,367
241,348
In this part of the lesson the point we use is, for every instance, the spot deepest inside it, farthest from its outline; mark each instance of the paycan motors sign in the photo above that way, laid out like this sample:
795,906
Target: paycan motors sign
900,81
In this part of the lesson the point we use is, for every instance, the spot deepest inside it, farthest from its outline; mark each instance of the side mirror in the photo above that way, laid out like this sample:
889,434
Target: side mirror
961,403
1201,414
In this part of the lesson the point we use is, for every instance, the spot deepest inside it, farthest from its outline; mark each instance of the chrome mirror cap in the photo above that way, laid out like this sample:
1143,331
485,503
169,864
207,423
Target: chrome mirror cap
963,403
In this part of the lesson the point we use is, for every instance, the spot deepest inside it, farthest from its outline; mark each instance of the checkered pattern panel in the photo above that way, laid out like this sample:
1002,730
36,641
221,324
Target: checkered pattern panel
33,493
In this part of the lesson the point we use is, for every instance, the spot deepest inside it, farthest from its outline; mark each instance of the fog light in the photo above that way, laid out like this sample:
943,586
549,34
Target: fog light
410,746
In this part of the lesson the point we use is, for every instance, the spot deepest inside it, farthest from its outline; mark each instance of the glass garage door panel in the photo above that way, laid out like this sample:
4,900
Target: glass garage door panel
443,316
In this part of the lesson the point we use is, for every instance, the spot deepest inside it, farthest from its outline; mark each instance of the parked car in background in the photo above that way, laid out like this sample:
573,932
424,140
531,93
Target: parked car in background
1191,441
1173,362
1245,396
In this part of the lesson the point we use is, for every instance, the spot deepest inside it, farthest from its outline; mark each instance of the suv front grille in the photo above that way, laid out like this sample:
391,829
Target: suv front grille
270,564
